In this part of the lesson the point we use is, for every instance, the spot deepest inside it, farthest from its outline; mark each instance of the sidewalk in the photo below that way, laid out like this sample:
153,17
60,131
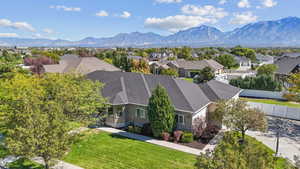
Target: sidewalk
59,165
170,145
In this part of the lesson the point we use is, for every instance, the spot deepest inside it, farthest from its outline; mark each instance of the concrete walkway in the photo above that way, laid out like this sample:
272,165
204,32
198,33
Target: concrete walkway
170,145
59,165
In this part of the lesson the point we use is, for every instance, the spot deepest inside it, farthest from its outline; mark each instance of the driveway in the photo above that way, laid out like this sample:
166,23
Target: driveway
289,144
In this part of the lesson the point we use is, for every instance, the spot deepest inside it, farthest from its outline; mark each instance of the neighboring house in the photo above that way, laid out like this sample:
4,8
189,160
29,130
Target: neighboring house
129,93
156,56
287,65
244,62
192,68
264,59
157,67
84,65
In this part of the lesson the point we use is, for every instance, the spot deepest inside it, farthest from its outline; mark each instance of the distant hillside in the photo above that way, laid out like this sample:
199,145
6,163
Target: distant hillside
283,32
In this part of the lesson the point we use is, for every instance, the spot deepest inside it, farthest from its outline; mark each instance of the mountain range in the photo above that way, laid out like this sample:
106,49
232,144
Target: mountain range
281,33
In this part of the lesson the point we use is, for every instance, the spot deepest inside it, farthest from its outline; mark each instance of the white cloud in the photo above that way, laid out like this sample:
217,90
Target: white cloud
207,11
244,4
16,25
102,13
269,3
65,8
222,2
125,14
243,18
176,23
47,30
168,1
8,35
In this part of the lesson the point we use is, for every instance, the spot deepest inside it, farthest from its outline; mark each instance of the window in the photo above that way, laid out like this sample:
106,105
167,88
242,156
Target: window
120,111
140,113
179,119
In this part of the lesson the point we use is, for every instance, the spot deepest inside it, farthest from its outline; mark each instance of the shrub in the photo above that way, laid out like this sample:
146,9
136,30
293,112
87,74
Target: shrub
209,132
146,130
165,136
137,130
187,137
131,129
177,135
199,125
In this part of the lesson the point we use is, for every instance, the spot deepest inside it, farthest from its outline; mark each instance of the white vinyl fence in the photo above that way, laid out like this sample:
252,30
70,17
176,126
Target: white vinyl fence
277,111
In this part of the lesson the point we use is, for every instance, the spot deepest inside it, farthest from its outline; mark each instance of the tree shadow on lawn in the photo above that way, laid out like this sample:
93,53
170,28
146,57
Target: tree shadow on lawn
132,136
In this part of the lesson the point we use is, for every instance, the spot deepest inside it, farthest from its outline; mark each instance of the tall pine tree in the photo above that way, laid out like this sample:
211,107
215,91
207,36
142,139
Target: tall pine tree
161,112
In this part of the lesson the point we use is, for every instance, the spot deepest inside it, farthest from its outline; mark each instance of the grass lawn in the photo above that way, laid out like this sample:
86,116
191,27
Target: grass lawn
268,101
189,79
25,164
103,150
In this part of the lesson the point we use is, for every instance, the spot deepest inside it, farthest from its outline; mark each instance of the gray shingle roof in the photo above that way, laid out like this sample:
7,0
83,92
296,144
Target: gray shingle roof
198,65
287,64
216,90
78,64
135,88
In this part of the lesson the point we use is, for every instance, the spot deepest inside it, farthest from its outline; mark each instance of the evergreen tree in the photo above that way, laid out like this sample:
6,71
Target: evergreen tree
160,112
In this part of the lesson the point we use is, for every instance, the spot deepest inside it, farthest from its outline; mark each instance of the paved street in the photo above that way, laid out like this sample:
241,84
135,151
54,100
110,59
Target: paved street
289,141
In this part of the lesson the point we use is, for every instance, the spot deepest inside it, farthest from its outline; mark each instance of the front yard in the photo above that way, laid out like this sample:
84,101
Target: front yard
103,150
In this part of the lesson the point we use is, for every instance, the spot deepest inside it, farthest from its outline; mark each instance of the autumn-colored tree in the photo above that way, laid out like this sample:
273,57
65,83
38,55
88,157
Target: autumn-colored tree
294,91
238,116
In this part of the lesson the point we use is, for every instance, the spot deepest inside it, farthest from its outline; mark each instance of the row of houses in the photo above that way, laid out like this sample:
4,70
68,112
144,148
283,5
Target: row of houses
187,68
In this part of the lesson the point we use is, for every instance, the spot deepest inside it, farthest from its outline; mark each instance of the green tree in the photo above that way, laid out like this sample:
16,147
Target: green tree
228,61
268,69
185,53
205,75
229,153
247,52
236,115
36,110
169,72
161,112
261,82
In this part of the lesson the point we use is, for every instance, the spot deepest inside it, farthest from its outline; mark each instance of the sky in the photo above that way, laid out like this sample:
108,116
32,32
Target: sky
78,19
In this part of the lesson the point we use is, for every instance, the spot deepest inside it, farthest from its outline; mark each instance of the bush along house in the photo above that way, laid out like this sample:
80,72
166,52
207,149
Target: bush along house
129,93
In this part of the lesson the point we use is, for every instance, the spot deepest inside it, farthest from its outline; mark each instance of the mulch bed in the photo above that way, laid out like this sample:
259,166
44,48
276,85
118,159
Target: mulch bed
195,144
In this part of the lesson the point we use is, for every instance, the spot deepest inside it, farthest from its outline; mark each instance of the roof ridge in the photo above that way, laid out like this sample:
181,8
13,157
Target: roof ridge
146,85
124,89
175,81
210,90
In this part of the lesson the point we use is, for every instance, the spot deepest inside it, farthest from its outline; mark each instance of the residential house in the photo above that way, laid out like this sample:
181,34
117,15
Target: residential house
129,93
157,67
157,56
287,65
243,62
264,59
191,68
84,65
